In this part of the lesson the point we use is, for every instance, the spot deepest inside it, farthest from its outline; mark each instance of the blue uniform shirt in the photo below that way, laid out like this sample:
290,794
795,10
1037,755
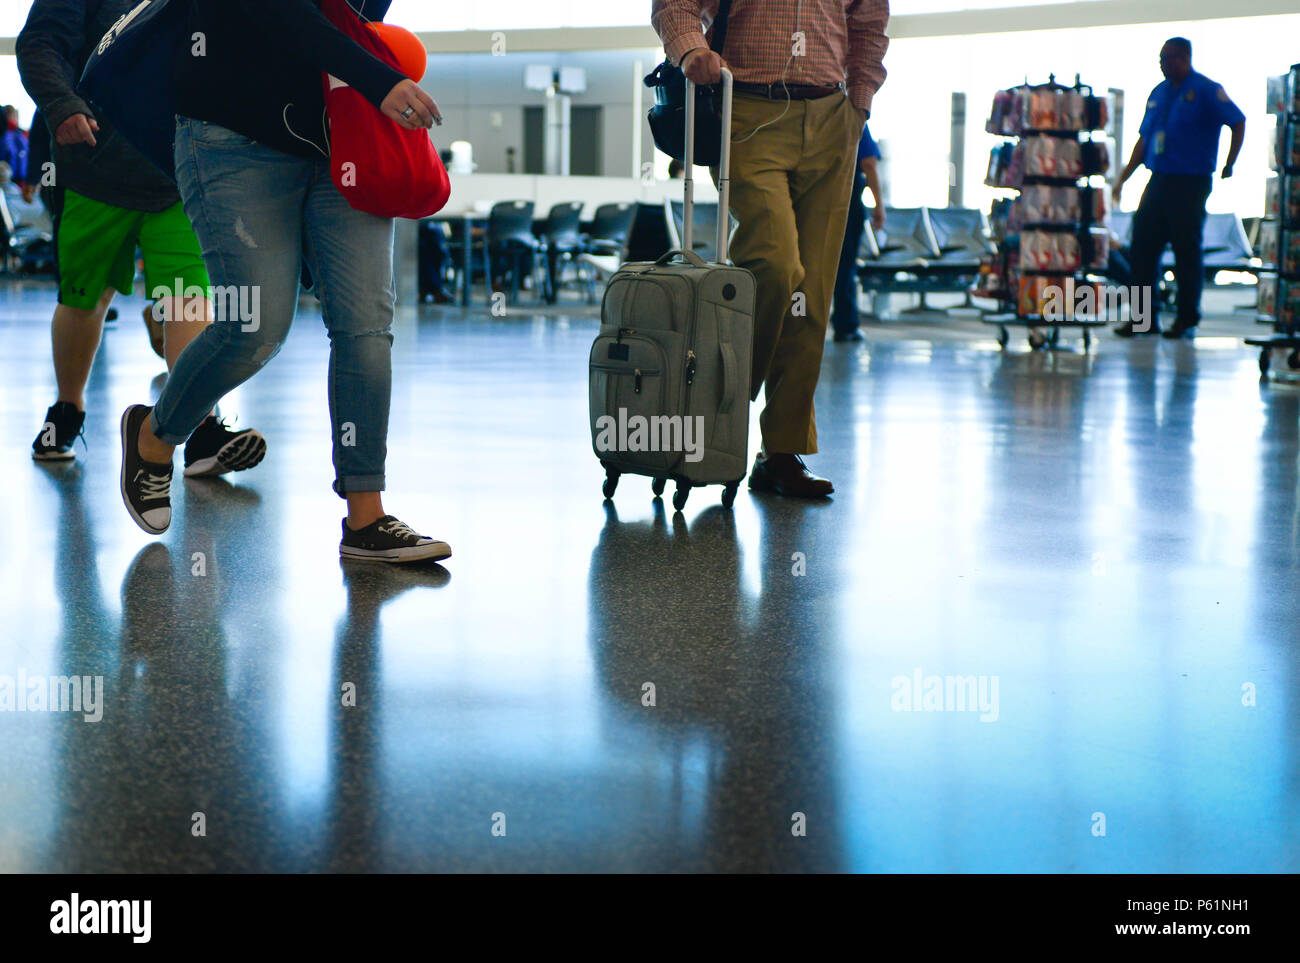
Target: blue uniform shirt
1181,125
867,147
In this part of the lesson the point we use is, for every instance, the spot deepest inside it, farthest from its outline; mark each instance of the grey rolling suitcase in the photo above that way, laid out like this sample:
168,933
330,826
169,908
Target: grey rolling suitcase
669,371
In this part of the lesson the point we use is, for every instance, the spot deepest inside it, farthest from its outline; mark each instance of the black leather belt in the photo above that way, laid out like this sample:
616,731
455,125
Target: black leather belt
780,91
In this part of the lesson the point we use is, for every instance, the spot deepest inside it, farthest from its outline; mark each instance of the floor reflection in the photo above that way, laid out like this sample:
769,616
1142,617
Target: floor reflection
1114,536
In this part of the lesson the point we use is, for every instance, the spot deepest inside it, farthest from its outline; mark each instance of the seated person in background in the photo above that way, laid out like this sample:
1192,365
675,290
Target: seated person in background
13,148
844,312
1117,267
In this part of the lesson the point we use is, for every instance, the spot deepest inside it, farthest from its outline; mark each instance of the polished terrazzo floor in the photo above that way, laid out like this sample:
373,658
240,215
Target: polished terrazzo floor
1112,540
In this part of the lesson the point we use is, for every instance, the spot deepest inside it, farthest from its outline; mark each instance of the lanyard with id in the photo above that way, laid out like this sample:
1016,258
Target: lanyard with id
1162,119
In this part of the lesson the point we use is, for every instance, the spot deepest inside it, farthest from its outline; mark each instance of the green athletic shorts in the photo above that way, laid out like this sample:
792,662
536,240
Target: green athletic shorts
97,245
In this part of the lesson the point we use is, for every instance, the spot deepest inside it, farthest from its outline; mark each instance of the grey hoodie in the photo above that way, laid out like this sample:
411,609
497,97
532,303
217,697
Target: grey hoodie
52,49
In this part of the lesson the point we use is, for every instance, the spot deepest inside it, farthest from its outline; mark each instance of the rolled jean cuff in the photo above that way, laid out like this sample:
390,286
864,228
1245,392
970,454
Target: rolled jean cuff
351,484
166,437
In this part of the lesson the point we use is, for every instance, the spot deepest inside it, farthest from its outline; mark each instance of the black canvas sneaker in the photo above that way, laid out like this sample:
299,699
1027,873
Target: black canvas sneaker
63,424
214,449
391,540
146,486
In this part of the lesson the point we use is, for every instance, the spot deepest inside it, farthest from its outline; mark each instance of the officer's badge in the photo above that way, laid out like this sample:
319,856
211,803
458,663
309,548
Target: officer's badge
1191,95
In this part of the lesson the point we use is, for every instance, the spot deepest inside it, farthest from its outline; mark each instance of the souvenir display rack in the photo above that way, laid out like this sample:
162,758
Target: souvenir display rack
1051,238
1278,292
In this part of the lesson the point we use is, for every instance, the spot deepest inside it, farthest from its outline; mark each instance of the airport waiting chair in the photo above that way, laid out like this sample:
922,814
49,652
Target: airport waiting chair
609,228
561,243
1226,246
900,255
648,238
510,244
1251,226
605,244
705,241
961,234
963,237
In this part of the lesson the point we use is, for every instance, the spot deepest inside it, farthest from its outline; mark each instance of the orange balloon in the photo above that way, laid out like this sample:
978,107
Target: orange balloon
412,58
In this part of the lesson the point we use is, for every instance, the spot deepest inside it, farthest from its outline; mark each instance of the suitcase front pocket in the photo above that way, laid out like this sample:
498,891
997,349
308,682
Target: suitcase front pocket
627,401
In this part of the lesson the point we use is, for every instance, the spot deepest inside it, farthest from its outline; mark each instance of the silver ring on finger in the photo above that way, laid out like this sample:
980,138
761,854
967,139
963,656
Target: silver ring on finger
408,113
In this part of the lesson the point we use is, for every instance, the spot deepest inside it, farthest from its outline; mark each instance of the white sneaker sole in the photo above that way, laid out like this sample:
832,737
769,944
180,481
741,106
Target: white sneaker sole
238,454
433,552
122,485
54,456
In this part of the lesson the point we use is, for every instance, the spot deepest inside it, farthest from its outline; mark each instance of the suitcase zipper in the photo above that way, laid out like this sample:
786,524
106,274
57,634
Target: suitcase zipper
690,368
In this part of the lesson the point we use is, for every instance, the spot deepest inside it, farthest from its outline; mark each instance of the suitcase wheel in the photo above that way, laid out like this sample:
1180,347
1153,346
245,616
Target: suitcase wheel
657,486
611,483
682,493
729,494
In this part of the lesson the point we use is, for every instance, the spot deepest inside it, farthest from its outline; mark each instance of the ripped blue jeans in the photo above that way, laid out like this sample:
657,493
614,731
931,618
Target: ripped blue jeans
259,213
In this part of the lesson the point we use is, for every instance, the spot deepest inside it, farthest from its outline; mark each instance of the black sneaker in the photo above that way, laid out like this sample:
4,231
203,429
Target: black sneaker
63,424
390,540
214,449
1130,329
146,486
1181,331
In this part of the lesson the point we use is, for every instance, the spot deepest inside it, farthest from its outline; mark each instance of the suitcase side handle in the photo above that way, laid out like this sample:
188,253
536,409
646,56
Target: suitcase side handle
724,169
730,376
689,256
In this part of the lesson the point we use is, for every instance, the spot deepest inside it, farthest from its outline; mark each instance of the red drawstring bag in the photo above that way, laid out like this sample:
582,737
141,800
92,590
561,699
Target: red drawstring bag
379,166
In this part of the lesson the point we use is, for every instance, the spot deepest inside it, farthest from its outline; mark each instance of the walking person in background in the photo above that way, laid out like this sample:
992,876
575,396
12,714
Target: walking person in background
805,72
844,315
112,201
252,165
1179,142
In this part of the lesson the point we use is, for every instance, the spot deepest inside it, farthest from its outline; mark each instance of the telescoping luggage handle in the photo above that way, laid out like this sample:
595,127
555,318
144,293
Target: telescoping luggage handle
724,170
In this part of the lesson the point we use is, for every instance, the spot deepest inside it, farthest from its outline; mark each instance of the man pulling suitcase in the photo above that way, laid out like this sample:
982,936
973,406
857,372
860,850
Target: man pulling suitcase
805,74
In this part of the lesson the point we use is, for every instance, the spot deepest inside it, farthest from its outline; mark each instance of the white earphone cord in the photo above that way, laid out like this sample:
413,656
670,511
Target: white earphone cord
798,19
284,115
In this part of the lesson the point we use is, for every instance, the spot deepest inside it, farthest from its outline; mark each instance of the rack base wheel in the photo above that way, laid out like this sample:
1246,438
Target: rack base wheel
682,493
729,494
657,486
1004,336
1037,339
1293,360
611,484
1265,356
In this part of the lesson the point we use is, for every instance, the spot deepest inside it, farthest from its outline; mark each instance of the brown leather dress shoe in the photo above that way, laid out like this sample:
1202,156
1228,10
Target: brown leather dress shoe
787,475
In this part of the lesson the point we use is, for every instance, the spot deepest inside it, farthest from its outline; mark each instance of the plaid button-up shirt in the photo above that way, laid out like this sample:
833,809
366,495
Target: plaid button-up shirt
808,42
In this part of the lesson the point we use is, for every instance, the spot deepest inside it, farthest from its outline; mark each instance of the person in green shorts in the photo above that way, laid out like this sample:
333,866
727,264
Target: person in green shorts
115,201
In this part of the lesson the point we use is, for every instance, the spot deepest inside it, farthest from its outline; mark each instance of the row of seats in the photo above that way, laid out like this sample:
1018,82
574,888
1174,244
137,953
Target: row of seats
514,238
1225,245
516,243
920,249
924,250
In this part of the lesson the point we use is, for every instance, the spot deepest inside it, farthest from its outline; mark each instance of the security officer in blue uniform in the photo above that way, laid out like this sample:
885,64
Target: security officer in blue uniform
844,310
1179,142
